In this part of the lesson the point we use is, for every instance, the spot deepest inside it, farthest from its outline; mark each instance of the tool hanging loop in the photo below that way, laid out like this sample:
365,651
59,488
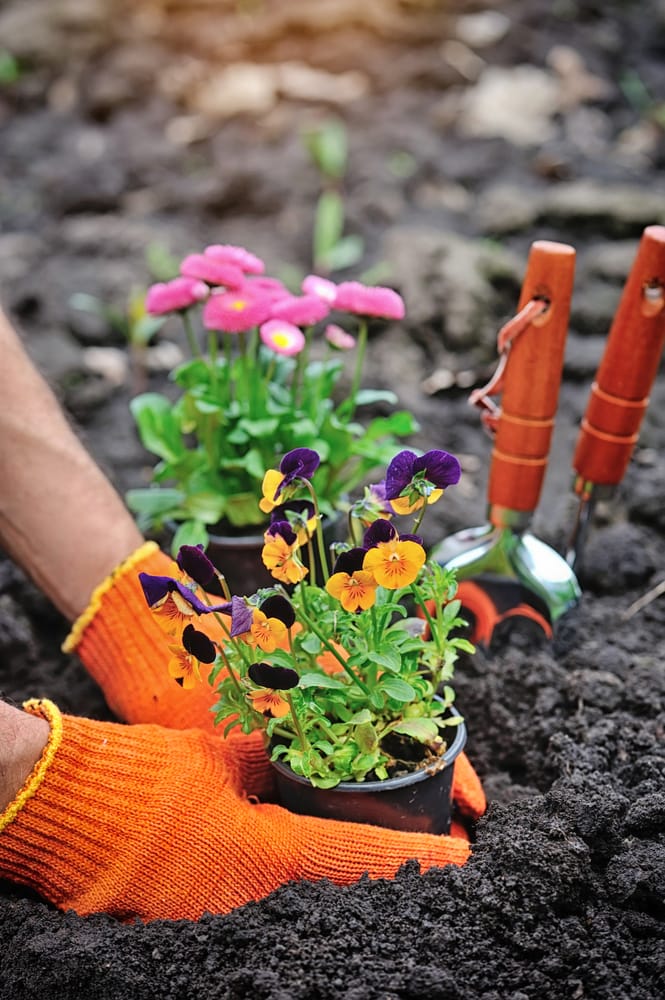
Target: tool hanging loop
506,336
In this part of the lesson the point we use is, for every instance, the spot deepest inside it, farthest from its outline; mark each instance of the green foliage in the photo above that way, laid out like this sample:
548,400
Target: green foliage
10,71
327,145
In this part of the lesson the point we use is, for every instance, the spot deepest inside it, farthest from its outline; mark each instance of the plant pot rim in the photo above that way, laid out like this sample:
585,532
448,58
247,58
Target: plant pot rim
387,784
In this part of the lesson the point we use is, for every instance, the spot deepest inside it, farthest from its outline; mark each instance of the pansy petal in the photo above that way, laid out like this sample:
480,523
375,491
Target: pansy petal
441,468
199,645
399,473
379,531
193,561
277,606
242,615
276,678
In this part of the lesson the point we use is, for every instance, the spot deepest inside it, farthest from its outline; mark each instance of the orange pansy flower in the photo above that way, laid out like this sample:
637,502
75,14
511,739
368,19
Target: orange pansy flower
269,702
395,564
281,559
355,591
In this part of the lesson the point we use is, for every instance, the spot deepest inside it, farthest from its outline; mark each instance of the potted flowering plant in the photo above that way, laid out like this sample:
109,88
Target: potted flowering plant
263,384
347,673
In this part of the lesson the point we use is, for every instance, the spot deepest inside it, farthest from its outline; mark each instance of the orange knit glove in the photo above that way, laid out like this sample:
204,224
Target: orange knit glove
144,821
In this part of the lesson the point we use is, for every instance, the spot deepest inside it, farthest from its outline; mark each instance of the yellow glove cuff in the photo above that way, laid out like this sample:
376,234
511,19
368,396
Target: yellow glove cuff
51,713
84,619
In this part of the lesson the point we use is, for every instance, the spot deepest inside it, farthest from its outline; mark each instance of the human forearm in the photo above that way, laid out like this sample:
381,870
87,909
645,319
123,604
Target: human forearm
60,518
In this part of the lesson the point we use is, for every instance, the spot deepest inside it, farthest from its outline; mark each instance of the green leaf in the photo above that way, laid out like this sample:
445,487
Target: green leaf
346,252
364,715
189,533
157,427
328,225
423,730
311,644
396,688
208,507
259,428
389,658
206,407
328,147
255,464
366,396
143,329
243,509
312,680
154,501
365,736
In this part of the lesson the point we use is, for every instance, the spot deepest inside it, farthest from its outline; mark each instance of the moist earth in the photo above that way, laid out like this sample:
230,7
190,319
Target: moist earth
473,130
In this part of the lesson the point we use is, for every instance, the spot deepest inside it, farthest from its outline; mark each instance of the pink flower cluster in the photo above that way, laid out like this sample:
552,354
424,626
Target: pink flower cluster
230,281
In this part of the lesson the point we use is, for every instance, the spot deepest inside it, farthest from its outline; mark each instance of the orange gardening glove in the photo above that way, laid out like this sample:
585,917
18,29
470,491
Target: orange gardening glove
149,822
124,649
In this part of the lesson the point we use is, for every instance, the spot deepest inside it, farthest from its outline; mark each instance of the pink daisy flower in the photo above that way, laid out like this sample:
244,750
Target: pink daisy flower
236,311
363,300
273,288
339,338
237,256
282,337
175,295
304,310
321,287
215,272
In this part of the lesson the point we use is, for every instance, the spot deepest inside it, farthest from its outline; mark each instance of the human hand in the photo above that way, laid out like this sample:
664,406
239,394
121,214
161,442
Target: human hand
148,822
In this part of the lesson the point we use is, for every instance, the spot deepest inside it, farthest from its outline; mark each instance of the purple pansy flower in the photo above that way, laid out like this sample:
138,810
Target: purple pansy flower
156,588
300,463
438,468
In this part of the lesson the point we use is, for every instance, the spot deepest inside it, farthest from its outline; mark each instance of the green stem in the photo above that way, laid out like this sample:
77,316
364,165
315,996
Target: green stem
304,742
191,337
419,520
422,604
357,373
212,365
320,541
306,620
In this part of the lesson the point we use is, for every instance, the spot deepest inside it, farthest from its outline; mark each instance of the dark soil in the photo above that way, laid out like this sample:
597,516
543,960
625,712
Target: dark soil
108,144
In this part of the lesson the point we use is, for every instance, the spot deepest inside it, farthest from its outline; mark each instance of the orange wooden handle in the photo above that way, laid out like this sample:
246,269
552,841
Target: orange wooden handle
531,382
620,394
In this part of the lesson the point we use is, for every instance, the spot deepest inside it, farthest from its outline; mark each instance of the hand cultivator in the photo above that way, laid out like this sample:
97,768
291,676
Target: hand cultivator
503,570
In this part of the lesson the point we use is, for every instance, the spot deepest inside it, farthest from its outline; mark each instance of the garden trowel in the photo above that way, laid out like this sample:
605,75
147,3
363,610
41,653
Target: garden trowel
502,570
620,393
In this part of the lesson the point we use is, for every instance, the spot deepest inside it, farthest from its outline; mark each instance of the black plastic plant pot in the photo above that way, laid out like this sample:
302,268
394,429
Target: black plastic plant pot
420,802
238,557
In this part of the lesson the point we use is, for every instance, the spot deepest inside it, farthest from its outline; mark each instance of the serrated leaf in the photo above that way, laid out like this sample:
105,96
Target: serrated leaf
396,688
423,730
